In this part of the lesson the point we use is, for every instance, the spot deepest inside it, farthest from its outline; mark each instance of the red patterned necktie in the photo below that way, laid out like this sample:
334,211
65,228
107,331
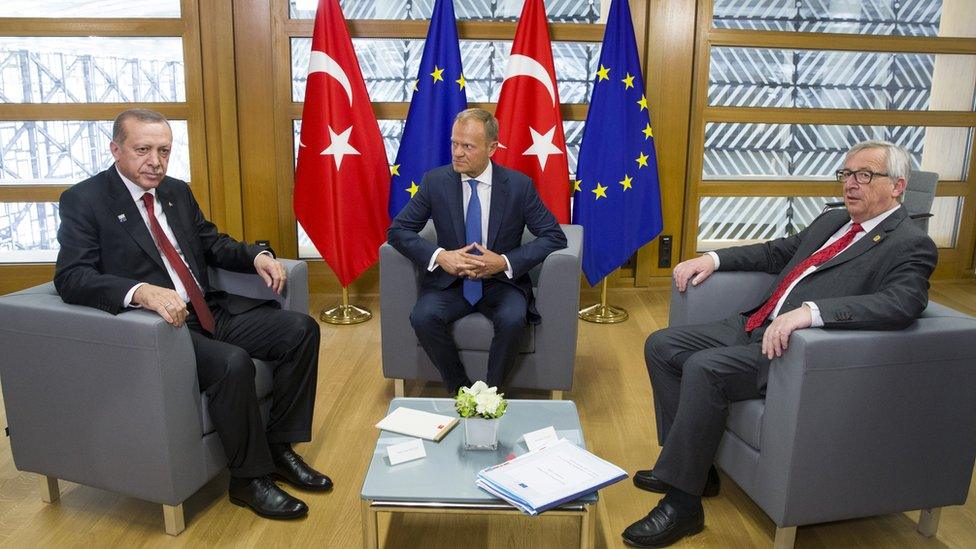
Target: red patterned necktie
192,289
757,318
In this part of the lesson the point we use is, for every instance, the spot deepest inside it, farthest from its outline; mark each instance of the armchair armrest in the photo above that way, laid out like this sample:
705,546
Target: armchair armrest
722,294
104,400
293,298
557,300
399,289
861,423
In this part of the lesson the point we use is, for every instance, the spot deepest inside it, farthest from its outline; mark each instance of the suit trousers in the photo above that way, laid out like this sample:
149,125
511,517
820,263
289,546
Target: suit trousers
696,371
503,304
289,340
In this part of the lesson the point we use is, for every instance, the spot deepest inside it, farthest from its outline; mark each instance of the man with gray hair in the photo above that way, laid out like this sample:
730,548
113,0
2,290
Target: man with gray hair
863,267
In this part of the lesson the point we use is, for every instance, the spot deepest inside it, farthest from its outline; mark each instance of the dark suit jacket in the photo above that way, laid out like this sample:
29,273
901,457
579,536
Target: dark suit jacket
880,282
106,247
515,205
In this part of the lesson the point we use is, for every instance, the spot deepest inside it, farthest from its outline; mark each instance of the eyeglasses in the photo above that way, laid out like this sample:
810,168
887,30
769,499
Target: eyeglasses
863,177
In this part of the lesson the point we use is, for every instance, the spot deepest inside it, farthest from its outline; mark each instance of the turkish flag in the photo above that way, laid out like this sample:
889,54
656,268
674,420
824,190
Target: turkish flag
531,136
342,181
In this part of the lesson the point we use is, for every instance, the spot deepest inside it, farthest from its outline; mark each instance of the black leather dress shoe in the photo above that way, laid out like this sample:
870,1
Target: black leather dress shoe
264,497
663,526
645,480
291,468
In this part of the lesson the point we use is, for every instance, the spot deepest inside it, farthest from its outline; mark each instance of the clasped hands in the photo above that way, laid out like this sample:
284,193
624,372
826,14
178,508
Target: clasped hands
463,263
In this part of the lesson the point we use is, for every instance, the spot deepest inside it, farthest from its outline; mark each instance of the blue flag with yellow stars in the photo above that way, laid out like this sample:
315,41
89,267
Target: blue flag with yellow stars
616,195
438,95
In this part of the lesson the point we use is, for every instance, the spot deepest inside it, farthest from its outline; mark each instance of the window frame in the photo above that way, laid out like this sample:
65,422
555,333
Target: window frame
187,28
953,262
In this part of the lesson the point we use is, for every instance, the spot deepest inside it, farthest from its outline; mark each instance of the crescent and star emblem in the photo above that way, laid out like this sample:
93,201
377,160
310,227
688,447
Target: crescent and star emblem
523,65
339,146
542,142
319,61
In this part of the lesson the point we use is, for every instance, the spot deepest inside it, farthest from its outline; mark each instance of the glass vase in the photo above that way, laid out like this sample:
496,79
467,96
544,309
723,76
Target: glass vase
480,433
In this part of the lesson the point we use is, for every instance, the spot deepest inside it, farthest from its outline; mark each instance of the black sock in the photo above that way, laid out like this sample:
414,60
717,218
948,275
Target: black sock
683,501
278,448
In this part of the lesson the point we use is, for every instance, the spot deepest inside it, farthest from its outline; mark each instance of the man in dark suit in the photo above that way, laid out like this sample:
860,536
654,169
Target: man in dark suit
133,238
479,263
866,267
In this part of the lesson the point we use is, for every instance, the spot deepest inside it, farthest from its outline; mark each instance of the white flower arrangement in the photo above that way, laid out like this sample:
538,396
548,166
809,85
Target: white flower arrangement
480,400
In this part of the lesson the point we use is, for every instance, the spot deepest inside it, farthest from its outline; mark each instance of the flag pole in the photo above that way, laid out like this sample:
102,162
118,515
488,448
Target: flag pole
601,313
345,313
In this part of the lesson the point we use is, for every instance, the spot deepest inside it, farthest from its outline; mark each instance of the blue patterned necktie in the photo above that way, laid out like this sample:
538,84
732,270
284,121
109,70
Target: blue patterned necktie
472,289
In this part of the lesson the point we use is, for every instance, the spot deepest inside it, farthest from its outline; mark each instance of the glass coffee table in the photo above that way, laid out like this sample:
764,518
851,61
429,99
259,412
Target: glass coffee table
443,482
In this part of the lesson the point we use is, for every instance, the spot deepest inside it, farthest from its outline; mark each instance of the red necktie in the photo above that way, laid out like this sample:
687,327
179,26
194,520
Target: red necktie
192,289
757,318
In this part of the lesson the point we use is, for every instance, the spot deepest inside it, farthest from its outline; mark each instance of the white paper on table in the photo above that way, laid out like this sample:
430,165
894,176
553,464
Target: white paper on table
543,438
406,451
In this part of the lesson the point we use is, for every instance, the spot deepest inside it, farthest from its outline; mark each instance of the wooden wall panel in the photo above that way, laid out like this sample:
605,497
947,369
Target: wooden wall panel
256,122
220,116
668,55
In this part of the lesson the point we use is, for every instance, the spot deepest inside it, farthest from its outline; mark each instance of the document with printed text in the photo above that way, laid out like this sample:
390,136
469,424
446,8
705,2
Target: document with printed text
547,478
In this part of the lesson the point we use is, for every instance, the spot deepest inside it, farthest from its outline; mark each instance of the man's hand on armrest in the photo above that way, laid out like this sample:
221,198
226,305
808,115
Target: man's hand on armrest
777,336
700,268
271,271
167,303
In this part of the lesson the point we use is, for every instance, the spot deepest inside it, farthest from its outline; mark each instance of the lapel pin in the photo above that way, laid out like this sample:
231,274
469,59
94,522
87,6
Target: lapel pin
170,204
877,237
121,218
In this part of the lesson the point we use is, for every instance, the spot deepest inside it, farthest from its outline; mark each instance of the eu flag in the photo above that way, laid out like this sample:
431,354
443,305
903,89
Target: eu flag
617,198
437,98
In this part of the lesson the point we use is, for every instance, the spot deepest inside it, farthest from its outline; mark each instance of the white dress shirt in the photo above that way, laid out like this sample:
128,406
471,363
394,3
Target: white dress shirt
137,192
866,228
484,197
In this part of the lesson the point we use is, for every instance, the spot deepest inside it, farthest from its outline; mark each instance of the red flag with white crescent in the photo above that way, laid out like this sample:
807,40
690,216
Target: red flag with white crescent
342,180
531,138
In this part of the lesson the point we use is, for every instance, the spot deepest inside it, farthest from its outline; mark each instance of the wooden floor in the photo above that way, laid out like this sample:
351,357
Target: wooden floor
614,400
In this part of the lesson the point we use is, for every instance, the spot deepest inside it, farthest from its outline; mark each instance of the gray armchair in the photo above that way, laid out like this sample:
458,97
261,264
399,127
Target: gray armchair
854,423
548,354
113,401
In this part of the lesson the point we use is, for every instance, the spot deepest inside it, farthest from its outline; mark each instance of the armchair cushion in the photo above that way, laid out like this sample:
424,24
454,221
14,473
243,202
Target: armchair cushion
474,333
746,419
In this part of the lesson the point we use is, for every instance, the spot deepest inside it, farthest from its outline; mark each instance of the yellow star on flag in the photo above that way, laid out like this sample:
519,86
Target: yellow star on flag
603,73
416,85
642,160
576,186
600,191
628,82
642,102
412,189
462,82
437,74
626,182
395,169
648,133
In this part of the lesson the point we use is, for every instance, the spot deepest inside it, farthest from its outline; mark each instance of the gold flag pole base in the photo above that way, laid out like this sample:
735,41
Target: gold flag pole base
601,313
345,314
